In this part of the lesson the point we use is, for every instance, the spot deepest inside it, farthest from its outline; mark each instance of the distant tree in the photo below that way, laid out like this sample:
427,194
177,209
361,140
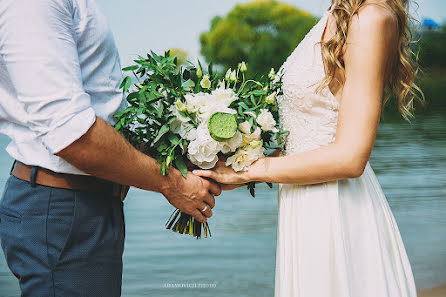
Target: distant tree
180,54
262,33
432,48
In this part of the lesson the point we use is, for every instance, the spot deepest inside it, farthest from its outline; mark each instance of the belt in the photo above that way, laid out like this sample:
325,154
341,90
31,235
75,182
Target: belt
85,183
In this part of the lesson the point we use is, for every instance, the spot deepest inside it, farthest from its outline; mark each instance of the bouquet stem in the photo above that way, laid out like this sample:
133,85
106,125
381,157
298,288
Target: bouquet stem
183,223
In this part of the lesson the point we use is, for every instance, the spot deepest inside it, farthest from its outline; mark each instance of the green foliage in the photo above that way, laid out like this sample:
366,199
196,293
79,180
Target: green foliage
262,33
432,48
146,120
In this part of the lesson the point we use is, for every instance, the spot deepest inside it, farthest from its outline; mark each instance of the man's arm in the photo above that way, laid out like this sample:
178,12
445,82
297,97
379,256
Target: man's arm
104,153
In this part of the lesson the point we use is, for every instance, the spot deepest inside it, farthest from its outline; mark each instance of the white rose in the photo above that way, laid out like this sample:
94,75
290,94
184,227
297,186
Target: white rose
203,150
232,144
249,137
205,105
244,157
245,127
224,96
266,121
194,102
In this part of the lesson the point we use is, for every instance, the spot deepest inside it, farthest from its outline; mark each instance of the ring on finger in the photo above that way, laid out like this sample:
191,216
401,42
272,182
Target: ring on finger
204,209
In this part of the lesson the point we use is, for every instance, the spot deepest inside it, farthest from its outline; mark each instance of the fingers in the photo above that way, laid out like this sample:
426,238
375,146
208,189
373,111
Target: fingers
230,187
204,173
206,210
210,200
199,216
213,187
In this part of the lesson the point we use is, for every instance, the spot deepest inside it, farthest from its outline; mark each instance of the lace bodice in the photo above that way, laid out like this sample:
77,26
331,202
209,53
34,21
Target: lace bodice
309,116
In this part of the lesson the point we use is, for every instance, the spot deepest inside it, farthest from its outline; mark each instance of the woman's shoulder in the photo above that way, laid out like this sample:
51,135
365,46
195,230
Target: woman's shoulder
375,16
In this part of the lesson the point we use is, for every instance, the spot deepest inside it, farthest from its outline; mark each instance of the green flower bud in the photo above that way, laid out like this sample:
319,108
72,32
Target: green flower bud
271,98
181,106
272,74
233,76
199,72
228,74
242,66
205,82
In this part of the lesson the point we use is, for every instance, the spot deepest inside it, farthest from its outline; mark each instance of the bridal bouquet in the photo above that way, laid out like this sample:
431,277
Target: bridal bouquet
186,116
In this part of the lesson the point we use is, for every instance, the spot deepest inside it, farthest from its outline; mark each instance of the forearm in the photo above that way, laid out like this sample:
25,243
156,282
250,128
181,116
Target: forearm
325,164
104,153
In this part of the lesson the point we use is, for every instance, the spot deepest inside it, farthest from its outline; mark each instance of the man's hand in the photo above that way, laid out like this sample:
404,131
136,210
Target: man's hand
193,194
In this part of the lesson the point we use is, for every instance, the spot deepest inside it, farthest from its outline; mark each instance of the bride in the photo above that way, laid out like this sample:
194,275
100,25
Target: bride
336,234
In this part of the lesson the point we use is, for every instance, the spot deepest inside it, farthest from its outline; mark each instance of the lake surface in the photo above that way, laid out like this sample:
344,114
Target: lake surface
239,260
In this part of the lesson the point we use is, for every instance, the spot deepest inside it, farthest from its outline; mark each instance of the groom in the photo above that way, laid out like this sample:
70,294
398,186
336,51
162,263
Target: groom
61,219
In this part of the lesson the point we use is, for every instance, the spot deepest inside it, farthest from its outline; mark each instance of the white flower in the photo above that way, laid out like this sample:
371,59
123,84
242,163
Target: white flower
245,127
266,121
244,157
224,96
231,145
205,105
181,123
249,137
203,150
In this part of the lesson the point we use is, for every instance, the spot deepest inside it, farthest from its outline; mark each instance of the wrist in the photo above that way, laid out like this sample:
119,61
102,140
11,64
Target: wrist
169,182
257,171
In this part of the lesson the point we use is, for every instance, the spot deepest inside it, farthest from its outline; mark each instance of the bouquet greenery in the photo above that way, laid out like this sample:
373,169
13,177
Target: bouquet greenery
186,116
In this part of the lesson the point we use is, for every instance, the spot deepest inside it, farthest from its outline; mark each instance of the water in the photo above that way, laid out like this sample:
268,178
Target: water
239,260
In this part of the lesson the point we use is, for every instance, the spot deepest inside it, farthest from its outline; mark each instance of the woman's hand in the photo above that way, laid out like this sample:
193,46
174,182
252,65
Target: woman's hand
226,175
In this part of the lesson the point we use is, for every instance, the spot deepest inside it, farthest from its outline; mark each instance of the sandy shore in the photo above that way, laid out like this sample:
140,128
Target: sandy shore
435,292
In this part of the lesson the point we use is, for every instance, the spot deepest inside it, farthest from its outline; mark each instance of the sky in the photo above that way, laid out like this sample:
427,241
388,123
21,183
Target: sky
143,25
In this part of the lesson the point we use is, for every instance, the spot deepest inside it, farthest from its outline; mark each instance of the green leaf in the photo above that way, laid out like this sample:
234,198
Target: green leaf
162,147
181,166
159,110
126,83
174,139
244,105
259,92
188,84
132,96
130,68
164,129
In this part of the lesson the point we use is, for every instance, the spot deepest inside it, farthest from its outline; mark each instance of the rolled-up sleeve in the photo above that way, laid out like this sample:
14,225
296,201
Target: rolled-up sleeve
38,47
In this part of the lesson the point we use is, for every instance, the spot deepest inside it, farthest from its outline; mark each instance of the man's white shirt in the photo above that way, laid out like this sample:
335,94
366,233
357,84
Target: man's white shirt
59,69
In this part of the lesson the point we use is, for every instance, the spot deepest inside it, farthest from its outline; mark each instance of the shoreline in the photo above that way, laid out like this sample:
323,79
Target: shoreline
434,292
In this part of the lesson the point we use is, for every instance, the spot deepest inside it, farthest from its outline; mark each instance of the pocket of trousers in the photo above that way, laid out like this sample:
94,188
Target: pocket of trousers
60,223
11,239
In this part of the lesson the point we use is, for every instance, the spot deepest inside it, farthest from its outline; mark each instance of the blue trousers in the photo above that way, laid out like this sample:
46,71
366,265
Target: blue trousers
62,243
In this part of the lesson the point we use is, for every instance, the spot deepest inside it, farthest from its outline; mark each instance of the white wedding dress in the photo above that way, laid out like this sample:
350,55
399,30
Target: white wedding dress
336,239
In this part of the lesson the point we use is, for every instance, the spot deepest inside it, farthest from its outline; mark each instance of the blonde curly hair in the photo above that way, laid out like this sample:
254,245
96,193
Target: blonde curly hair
401,84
